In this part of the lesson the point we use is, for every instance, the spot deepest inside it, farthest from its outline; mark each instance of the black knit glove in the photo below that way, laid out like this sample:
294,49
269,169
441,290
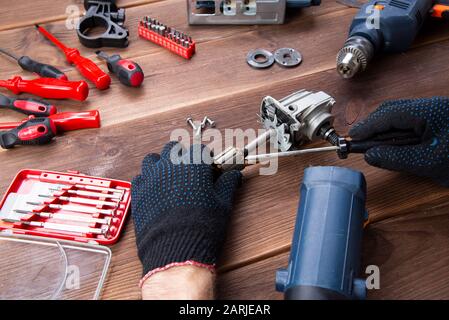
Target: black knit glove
180,213
425,118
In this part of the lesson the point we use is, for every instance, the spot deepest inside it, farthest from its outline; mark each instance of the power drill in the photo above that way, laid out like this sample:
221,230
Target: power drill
384,26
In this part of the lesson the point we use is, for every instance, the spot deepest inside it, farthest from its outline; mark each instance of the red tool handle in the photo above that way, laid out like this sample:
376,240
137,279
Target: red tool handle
128,72
88,69
65,121
48,88
31,132
68,121
85,66
28,106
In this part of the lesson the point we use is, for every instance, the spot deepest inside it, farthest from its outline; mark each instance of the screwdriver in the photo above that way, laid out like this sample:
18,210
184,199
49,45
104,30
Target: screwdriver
80,209
97,188
85,66
32,132
64,121
61,227
128,72
92,194
28,106
44,70
48,88
68,217
81,200
266,156
353,146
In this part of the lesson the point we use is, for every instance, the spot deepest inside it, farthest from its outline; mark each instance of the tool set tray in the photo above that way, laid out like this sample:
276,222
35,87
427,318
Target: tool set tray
100,221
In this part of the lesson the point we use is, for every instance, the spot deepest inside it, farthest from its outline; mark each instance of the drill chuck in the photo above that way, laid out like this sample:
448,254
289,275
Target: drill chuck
354,56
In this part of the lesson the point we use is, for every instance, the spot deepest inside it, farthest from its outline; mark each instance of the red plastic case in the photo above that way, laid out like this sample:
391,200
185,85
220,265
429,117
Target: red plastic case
26,179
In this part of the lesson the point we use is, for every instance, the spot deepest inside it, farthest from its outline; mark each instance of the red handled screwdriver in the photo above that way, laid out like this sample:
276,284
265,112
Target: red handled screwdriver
128,72
31,107
48,88
32,132
85,66
65,121
43,70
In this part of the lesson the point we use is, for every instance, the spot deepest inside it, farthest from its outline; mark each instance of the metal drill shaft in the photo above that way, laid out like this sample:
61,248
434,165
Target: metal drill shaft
267,156
6,53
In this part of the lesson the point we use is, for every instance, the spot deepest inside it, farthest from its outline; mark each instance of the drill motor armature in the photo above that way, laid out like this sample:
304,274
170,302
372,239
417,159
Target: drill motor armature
381,26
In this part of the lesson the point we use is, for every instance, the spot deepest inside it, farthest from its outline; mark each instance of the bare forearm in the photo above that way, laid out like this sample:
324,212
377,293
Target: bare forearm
180,283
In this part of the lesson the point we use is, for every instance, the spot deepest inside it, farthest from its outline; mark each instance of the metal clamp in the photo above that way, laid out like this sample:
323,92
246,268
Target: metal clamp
103,13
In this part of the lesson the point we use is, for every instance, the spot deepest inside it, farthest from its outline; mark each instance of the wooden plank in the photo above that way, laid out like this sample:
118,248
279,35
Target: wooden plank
214,61
171,79
45,11
412,253
263,218
171,12
166,90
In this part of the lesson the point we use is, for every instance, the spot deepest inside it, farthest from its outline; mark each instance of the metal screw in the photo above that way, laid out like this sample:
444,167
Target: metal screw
211,122
206,121
190,122
203,123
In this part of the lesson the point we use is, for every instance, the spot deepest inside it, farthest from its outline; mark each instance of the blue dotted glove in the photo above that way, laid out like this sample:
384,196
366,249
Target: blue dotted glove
180,210
425,118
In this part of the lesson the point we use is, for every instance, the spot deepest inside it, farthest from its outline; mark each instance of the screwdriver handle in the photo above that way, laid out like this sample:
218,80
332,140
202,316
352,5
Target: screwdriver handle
88,69
33,107
363,146
128,72
68,121
33,132
43,70
85,66
48,88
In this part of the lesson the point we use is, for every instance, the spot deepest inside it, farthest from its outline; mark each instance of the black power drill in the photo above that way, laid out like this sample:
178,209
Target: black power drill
385,26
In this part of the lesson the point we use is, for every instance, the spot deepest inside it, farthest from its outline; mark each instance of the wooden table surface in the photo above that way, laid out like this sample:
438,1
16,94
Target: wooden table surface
409,234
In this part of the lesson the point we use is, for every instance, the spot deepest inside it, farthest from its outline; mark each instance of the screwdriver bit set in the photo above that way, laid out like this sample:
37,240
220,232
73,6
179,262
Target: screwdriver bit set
167,37
68,206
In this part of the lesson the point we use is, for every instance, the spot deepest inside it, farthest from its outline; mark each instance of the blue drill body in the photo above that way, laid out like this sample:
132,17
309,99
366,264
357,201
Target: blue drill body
399,23
381,26
325,256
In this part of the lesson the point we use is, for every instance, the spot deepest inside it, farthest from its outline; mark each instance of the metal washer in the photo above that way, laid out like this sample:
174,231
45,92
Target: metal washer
252,61
287,57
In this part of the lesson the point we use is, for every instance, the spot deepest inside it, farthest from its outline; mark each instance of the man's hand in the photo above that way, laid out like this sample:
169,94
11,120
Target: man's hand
180,212
427,119
180,283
